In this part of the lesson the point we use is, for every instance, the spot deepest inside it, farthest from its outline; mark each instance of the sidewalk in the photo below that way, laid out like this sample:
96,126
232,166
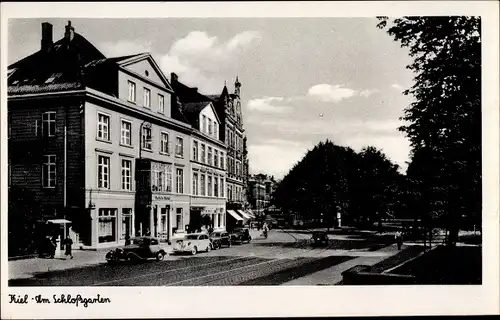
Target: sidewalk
28,268
333,275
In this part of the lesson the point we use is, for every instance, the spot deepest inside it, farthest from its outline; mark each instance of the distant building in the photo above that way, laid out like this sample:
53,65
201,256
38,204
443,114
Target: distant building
260,194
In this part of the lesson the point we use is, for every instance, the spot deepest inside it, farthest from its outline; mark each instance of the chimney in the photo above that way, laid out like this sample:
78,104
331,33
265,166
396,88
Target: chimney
46,36
174,77
69,34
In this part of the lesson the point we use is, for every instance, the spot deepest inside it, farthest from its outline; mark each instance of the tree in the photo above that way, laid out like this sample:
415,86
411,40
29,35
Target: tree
444,121
331,180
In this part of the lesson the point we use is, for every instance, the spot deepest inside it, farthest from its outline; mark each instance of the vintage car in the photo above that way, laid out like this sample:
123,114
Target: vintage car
241,235
319,238
140,248
219,239
193,243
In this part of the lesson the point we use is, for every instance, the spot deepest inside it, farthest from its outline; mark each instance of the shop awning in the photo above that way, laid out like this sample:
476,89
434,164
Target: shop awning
59,221
249,212
235,215
244,214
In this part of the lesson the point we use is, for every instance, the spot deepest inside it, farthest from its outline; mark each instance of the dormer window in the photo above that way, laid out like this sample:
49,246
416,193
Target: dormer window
146,73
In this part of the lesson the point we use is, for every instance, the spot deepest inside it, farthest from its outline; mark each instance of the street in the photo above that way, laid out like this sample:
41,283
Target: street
284,257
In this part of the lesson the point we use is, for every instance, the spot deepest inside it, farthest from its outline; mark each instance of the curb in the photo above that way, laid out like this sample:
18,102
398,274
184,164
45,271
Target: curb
25,257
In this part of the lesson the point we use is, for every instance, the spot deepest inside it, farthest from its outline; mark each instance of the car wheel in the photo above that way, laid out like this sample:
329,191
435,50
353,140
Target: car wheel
194,250
159,256
209,247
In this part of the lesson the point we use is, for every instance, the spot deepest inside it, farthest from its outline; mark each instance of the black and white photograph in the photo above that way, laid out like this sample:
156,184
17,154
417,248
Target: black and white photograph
246,152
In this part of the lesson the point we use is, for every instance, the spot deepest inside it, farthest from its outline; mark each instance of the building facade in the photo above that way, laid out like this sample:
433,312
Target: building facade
228,106
208,175
94,140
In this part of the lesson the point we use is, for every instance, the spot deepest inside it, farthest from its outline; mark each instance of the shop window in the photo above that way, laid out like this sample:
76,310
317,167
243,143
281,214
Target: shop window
107,225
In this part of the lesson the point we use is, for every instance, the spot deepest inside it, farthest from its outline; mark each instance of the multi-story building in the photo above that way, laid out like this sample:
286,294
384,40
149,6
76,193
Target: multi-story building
261,190
95,141
228,106
208,158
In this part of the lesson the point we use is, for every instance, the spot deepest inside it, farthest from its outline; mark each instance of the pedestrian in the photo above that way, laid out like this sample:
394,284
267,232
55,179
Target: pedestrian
68,243
53,246
148,233
127,240
399,239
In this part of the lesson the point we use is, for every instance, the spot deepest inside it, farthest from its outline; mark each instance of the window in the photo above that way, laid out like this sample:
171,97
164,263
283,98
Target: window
221,158
103,127
229,195
179,147
126,130
103,172
209,186
131,91
203,153
202,185
210,127
146,99
210,156
180,180
215,129
107,225
216,187
146,138
178,219
169,182
158,183
49,171
204,124
161,103
49,124
164,143
126,223
221,188
195,150
227,136
126,175
195,183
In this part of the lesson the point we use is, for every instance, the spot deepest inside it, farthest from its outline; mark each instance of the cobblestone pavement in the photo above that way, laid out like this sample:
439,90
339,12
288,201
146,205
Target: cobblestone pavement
282,258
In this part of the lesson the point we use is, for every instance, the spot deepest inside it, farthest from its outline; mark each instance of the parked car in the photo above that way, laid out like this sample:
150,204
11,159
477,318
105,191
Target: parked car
140,248
319,238
241,235
193,243
219,239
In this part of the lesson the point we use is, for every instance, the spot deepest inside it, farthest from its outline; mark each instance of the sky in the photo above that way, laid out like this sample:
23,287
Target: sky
304,80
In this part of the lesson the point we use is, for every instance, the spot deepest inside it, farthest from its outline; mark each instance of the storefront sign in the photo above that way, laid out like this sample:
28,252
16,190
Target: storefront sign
160,197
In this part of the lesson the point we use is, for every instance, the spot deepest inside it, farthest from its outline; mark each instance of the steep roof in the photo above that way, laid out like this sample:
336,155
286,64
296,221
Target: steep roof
60,68
192,110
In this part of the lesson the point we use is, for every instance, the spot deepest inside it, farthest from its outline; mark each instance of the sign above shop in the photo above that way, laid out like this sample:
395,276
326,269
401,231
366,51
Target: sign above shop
161,197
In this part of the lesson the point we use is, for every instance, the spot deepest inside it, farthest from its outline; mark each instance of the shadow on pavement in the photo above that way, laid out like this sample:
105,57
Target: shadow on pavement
302,270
